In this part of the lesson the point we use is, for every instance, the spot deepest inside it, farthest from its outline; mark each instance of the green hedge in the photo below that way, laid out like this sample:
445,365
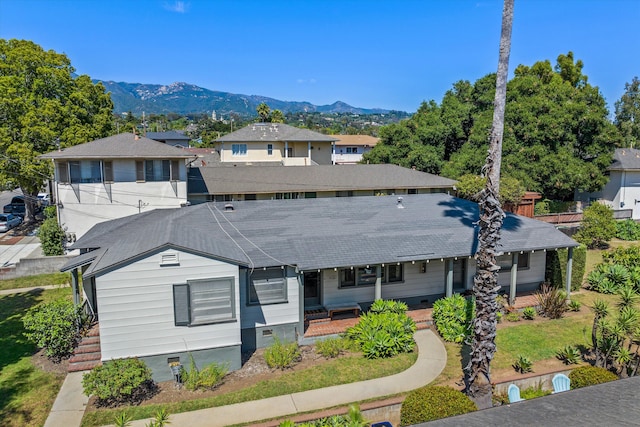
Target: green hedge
557,267
590,375
432,403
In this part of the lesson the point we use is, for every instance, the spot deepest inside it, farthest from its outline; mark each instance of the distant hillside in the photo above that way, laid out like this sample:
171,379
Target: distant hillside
184,98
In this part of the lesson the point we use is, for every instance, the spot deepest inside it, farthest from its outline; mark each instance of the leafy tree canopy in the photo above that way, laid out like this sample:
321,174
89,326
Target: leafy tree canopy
42,105
628,113
557,135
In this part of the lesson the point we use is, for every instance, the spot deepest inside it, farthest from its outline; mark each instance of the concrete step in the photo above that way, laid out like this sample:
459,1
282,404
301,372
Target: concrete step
83,366
87,348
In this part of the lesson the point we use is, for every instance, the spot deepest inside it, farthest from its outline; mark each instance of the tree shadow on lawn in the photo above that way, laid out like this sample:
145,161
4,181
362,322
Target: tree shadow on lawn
13,344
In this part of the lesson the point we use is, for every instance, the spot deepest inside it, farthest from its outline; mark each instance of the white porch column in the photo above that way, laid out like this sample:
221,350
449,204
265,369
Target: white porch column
286,150
378,286
74,286
514,278
569,268
333,152
449,283
309,151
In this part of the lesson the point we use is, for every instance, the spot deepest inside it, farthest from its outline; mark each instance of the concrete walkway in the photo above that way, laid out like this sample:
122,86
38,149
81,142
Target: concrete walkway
35,288
68,408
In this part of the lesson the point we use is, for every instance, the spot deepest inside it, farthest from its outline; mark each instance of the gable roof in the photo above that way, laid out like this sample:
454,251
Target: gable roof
274,132
315,233
171,134
626,159
366,140
123,145
282,179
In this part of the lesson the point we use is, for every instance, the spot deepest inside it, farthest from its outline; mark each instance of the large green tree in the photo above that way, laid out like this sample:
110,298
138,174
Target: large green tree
557,136
628,114
43,106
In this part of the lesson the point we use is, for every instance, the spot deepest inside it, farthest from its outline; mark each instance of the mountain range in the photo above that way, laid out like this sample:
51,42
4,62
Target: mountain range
185,98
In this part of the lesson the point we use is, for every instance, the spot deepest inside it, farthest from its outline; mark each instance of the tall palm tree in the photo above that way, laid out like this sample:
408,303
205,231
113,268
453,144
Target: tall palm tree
485,282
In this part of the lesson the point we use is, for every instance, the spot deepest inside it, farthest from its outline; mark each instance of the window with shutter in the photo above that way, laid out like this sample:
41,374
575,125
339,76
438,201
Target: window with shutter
204,301
268,286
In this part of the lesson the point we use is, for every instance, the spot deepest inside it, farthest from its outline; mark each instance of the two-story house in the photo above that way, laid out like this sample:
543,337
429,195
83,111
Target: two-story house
275,143
349,149
115,177
171,137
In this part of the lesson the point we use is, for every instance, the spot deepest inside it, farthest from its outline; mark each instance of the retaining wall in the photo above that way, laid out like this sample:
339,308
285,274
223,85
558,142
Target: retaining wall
33,266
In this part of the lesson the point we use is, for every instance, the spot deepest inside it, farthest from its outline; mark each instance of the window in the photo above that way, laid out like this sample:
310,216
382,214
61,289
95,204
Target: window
352,150
140,171
250,197
344,193
412,191
74,172
286,196
205,301
506,261
175,170
157,170
310,195
238,149
267,286
270,149
366,276
219,198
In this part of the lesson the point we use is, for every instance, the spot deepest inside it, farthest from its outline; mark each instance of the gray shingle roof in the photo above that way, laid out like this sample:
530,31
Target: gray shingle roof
163,136
315,233
626,159
123,145
274,132
270,179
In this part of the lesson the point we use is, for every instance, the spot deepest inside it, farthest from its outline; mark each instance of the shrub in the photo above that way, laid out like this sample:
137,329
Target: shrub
590,375
119,381
513,316
523,364
627,230
281,355
388,306
160,419
552,302
608,278
54,326
51,234
574,305
330,347
433,403
598,226
570,355
628,257
453,316
542,208
205,379
352,419
529,313
533,392
383,334
556,267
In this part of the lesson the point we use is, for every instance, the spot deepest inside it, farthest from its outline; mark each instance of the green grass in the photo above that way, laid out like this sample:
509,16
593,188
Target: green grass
339,371
33,281
26,392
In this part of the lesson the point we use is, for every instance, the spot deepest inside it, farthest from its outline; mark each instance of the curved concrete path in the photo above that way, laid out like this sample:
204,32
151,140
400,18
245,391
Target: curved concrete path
432,358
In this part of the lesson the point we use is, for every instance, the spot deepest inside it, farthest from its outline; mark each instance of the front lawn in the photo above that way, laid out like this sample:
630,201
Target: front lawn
26,391
34,281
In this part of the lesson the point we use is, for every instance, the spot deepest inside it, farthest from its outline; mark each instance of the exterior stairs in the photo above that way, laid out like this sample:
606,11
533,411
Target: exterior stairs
87,355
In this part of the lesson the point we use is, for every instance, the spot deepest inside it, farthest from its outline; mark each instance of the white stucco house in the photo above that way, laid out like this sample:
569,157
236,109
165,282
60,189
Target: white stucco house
348,149
622,191
215,279
115,177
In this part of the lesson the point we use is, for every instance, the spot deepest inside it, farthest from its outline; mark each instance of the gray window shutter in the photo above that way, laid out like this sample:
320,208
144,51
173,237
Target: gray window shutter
181,304
140,171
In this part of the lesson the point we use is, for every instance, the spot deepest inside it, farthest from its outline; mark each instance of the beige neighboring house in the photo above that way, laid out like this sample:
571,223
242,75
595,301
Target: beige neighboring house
275,143
114,177
350,148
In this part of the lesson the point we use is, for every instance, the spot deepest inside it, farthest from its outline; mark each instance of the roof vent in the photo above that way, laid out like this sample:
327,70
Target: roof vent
400,205
228,207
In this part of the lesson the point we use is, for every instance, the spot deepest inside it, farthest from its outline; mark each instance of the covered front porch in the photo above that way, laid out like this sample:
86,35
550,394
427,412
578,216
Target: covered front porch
318,323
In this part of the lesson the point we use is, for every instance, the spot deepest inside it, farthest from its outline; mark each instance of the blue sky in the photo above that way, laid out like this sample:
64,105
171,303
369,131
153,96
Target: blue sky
384,54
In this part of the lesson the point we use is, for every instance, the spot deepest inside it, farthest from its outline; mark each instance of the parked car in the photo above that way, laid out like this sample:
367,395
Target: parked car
8,221
17,207
45,200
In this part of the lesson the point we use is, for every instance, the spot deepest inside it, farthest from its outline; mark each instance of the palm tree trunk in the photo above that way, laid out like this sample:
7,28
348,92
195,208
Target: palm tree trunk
485,282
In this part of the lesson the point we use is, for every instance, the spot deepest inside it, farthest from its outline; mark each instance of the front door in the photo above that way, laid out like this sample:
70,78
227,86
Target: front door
311,289
459,275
